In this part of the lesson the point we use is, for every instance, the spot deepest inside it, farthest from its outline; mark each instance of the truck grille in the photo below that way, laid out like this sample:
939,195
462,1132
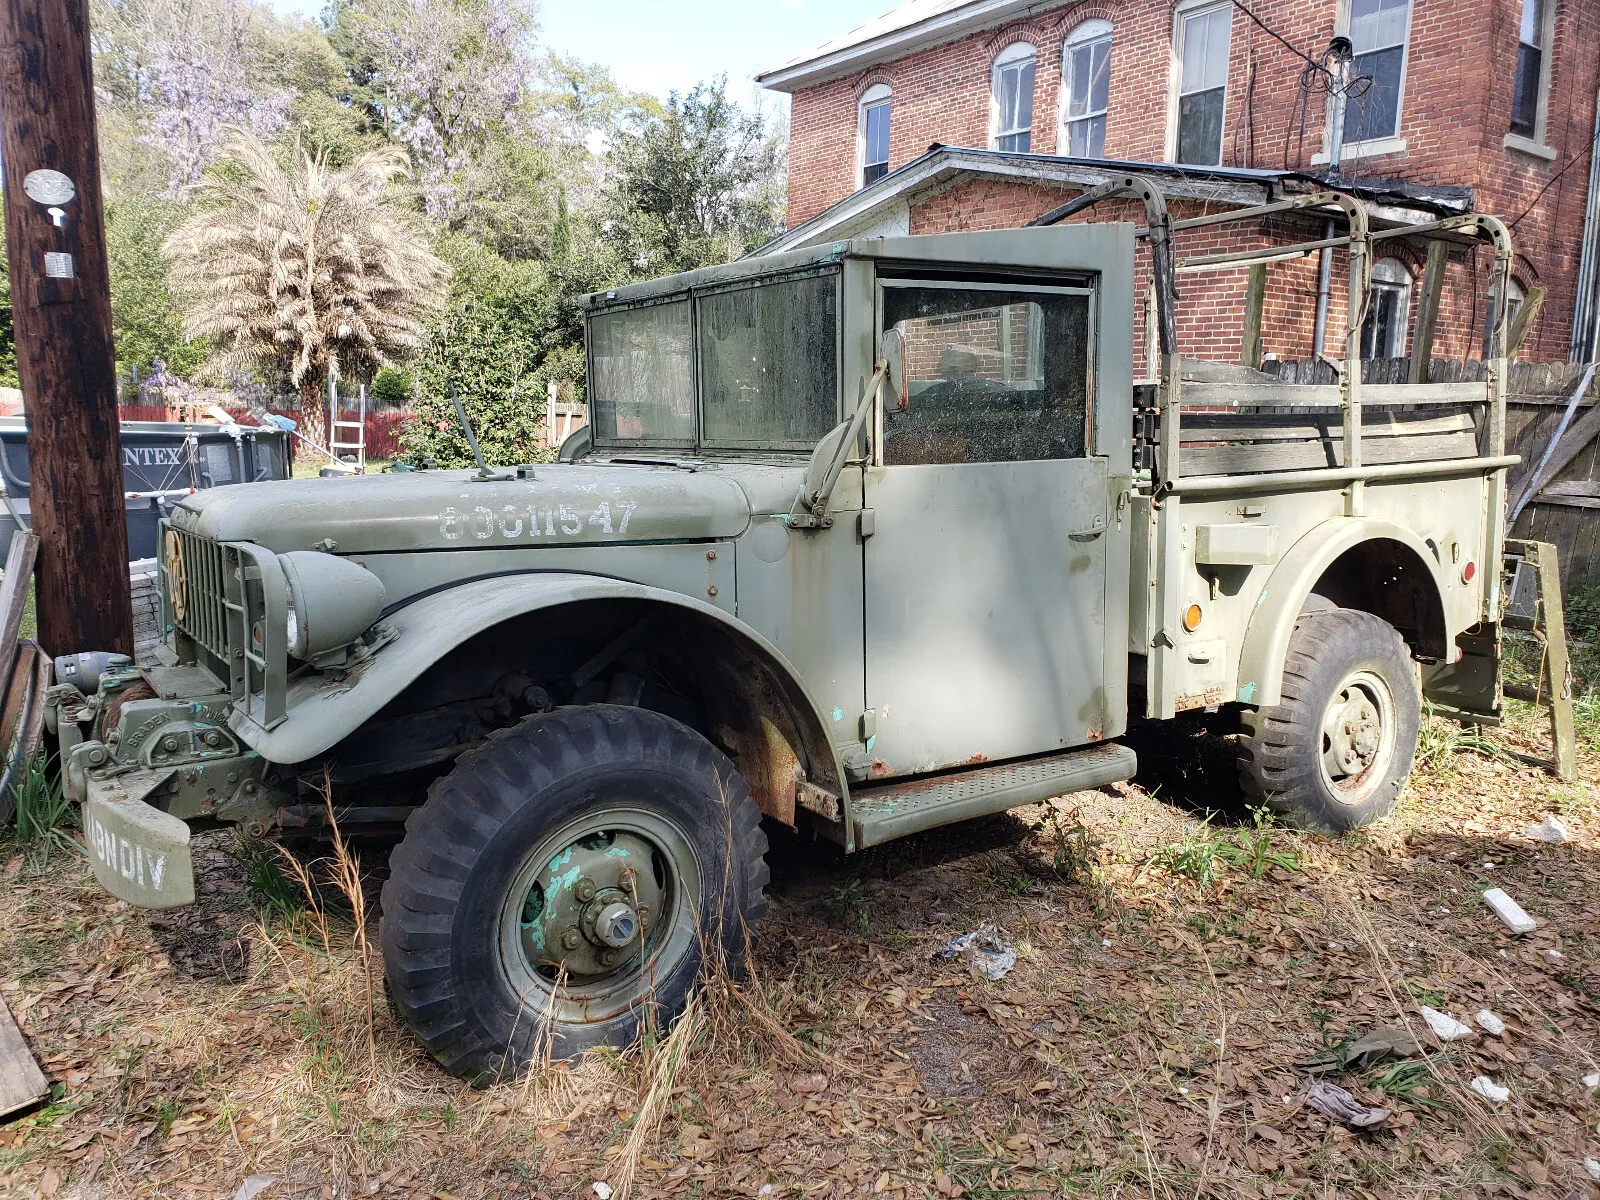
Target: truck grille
205,609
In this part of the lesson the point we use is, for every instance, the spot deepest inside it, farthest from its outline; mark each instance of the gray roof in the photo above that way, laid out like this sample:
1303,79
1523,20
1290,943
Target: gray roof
877,207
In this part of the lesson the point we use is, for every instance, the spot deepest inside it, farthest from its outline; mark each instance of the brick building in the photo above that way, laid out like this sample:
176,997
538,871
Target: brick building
966,114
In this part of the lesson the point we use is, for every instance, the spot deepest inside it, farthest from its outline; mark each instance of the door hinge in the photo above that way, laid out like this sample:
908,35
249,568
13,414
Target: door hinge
867,523
869,724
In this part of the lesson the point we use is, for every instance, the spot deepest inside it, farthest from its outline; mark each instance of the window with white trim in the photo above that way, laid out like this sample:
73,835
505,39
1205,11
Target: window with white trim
1011,106
1379,30
872,133
1203,42
1085,90
1383,333
1531,92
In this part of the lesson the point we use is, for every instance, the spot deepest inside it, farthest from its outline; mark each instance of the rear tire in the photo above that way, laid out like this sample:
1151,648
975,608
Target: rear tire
1335,753
564,884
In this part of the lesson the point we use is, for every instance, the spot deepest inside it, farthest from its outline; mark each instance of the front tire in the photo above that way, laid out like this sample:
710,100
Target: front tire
1335,753
564,884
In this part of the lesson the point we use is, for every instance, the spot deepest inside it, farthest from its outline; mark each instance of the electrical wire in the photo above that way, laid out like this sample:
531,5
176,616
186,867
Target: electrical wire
1554,179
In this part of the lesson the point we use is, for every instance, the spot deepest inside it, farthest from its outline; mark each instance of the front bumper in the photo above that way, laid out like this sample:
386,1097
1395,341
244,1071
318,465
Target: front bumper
139,853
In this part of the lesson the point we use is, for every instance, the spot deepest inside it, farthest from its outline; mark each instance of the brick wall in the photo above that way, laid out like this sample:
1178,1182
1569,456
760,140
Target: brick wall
1454,114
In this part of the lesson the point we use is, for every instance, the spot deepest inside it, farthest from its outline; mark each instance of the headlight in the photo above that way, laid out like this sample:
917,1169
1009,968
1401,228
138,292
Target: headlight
332,602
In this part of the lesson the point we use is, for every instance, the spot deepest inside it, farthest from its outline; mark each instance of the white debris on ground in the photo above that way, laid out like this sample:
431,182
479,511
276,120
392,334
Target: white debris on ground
1592,1082
1490,1090
1593,1167
602,1189
1445,1027
1550,831
1334,1102
1508,910
984,950
1489,1023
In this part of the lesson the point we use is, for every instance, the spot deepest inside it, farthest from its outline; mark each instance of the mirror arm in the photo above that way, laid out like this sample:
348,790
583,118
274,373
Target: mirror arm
811,512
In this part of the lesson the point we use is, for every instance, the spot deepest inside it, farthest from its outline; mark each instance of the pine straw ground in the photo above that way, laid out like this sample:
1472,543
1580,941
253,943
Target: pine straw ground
1143,1046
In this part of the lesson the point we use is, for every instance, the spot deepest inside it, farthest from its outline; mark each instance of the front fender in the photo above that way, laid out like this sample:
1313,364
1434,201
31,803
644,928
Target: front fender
1266,640
322,710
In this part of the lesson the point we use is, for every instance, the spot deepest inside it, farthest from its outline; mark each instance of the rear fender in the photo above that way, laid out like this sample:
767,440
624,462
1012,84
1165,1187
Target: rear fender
1266,641
324,708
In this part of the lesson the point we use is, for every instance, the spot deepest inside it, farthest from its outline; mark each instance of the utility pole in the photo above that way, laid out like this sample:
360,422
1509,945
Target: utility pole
61,311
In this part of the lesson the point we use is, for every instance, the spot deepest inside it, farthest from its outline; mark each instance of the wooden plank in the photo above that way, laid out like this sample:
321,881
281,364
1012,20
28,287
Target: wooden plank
1428,311
1571,487
1577,438
1526,316
1309,455
1255,295
22,1083
14,595
1267,395
1276,427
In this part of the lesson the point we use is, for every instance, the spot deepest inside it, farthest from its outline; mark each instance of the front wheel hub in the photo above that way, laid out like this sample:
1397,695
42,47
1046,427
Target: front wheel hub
588,910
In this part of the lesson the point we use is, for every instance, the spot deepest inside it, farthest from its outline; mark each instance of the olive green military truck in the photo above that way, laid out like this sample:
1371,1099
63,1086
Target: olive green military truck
862,540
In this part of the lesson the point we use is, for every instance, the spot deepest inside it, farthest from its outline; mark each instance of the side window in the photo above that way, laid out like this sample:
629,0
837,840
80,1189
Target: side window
992,374
1011,104
1378,32
1085,90
1203,41
873,133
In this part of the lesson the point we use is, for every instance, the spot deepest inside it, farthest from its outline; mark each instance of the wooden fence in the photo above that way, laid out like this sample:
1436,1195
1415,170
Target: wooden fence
1566,509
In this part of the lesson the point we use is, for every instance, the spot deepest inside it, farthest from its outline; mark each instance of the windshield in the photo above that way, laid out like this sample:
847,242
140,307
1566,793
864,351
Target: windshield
768,363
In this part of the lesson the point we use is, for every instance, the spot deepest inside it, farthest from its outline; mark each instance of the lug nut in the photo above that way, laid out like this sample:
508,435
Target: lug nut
571,938
607,957
213,738
584,890
169,744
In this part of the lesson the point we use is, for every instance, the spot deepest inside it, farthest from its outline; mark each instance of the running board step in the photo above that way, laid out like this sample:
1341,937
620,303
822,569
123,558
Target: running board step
893,810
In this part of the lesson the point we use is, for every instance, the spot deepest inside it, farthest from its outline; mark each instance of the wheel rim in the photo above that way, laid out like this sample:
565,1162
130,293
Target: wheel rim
1358,737
602,907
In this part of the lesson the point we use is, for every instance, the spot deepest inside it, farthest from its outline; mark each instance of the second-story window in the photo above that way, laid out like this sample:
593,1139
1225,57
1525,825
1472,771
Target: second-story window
1378,31
1012,99
1085,90
1533,70
873,133
1203,37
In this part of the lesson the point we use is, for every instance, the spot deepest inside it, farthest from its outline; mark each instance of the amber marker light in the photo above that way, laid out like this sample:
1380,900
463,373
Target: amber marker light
1191,618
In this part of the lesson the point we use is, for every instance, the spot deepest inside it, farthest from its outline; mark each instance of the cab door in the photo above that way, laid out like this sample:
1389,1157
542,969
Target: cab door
986,565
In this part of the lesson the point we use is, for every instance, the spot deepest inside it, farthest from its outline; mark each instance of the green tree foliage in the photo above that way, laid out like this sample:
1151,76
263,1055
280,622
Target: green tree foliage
392,387
8,338
145,322
506,330
695,183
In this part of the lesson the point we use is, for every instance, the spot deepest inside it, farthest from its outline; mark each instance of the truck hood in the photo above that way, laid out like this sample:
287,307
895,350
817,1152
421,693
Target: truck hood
564,504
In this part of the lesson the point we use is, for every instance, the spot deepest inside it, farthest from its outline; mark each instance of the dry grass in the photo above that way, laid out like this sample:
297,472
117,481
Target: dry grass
1143,1046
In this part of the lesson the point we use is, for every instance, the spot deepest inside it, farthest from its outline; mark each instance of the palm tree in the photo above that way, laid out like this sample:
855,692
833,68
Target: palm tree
307,271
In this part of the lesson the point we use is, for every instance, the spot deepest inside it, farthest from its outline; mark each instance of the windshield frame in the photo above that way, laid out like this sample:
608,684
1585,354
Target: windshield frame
700,445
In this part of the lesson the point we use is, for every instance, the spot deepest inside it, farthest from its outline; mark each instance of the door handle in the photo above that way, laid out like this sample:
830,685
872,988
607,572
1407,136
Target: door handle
1095,529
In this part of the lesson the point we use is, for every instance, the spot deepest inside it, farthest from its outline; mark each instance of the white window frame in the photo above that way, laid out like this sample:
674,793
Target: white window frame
1382,270
1537,144
1190,8
1372,147
1016,52
876,95
1092,30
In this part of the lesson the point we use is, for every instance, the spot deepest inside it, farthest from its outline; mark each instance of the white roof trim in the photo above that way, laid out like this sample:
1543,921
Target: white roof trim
911,27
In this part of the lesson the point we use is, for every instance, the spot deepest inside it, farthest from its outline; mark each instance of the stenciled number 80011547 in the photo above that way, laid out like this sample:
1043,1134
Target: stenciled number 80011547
527,520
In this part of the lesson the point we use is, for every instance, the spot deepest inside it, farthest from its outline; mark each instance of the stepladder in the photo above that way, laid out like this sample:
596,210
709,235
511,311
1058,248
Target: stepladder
1533,604
348,439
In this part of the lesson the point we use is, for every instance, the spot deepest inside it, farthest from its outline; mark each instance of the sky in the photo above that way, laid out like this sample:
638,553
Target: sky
664,45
